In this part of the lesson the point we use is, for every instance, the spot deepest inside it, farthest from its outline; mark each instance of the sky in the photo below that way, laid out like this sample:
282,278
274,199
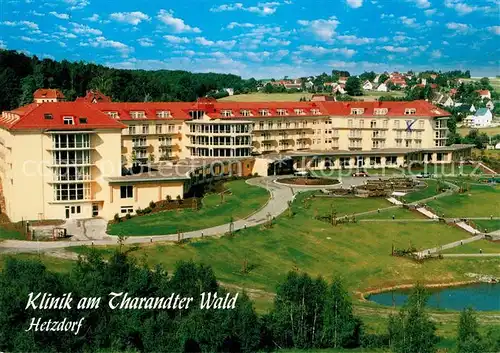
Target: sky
262,39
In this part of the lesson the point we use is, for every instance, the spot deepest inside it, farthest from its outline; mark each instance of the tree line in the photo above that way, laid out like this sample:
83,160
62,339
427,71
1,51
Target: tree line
21,75
308,313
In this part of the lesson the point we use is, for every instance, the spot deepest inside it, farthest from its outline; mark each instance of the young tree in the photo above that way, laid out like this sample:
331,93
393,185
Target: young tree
353,86
468,338
340,328
411,330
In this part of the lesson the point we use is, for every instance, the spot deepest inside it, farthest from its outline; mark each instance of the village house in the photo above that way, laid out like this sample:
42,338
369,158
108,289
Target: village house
382,88
367,86
482,118
484,94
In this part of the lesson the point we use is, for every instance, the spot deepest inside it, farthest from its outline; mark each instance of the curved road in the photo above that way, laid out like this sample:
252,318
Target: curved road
276,205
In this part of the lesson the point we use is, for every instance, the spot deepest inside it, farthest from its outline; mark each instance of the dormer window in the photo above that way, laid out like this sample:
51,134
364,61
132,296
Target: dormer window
47,116
196,114
357,111
380,111
137,115
114,115
315,111
226,113
410,111
299,111
162,114
263,112
245,112
83,120
281,112
68,120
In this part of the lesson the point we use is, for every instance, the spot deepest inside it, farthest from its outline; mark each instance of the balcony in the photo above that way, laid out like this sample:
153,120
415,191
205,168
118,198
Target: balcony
355,137
139,146
72,162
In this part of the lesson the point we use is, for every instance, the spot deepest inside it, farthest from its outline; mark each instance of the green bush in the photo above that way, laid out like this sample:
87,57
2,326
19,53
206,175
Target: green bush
128,216
139,211
117,218
152,204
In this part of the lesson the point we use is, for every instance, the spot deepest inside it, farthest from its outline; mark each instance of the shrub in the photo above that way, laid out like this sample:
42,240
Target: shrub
139,211
152,205
117,218
179,199
169,198
128,216
147,210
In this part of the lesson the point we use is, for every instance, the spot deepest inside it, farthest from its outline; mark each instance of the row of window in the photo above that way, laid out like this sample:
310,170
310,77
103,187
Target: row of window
71,141
220,128
159,129
71,192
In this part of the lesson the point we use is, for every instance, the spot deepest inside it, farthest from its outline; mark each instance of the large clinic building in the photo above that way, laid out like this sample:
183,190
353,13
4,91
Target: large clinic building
70,159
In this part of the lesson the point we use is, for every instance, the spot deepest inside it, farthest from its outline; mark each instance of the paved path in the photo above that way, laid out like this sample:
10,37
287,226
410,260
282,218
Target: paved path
449,246
93,233
470,255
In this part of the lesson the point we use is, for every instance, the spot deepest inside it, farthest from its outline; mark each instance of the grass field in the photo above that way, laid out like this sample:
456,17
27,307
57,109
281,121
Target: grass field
243,201
491,131
52,263
295,97
10,233
481,201
488,247
398,213
347,206
488,225
426,192
359,252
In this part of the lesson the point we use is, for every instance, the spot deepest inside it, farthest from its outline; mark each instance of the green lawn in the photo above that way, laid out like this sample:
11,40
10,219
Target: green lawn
10,233
423,193
398,213
52,263
488,225
359,252
490,131
481,201
244,200
347,206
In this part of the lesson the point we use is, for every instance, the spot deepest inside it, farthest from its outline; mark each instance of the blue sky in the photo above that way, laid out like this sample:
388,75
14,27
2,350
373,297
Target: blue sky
260,39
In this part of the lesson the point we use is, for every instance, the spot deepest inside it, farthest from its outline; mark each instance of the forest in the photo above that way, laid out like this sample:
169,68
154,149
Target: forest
308,313
21,75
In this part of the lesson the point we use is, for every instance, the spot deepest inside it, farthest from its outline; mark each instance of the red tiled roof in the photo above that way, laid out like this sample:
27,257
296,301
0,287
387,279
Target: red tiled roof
483,92
48,93
34,117
94,96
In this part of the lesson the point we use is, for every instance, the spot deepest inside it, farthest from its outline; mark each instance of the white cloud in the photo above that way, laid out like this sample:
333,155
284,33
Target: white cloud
77,4
409,22
233,25
386,15
318,50
62,16
102,42
274,42
262,8
3,45
459,28
35,13
393,49
145,42
430,12
85,30
463,8
322,29
422,4
133,18
350,39
25,24
93,18
436,54
226,44
494,30
355,3
175,39
176,24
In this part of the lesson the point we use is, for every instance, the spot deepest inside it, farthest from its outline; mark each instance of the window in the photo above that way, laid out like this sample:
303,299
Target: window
315,112
263,112
139,142
421,124
226,113
47,116
131,130
145,129
83,120
245,112
114,115
162,114
281,112
380,111
357,111
361,124
385,124
137,114
126,191
159,128
126,209
396,124
349,123
373,124
410,111
68,120
298,111
71,192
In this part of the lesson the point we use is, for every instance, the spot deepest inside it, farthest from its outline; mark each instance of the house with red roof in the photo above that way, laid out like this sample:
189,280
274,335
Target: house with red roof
484,94
44,95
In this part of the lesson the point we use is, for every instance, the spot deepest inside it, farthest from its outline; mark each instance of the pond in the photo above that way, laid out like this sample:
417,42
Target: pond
481,297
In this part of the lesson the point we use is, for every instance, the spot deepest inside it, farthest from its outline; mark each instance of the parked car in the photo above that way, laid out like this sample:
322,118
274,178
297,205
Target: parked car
360,174
423,176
